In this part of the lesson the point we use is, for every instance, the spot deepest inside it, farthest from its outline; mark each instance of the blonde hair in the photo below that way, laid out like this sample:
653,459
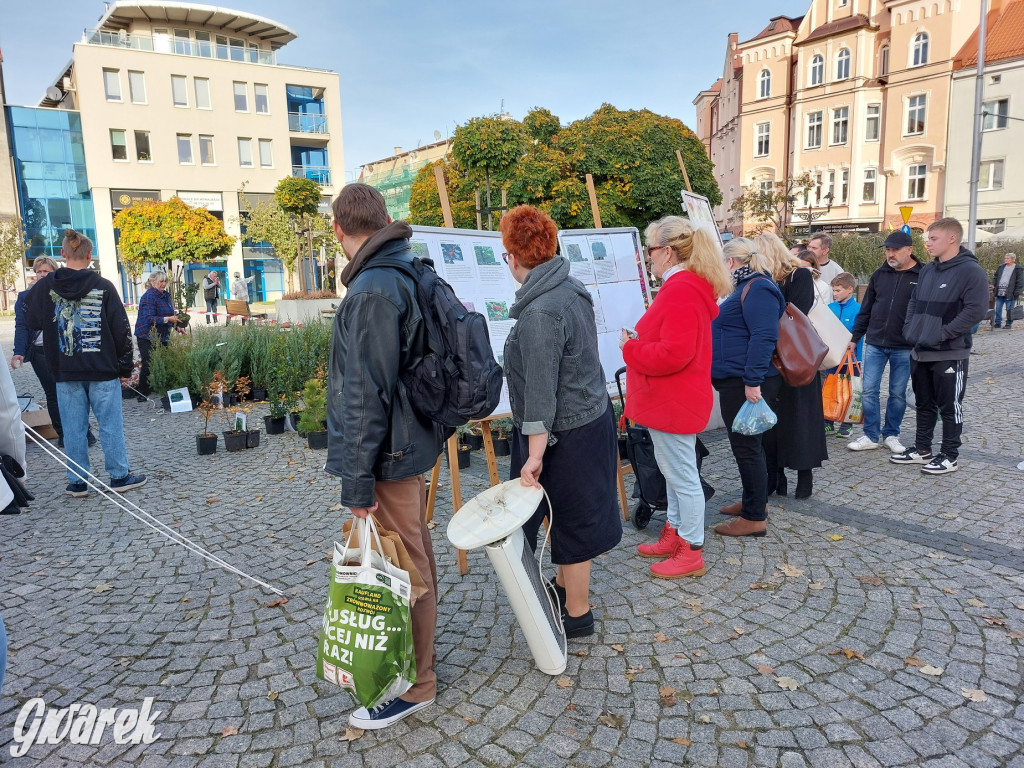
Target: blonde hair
51,263
783,262
77,246
746,252
695,248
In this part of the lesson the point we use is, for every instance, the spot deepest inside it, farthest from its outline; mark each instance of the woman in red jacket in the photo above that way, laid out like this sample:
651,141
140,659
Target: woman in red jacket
668,379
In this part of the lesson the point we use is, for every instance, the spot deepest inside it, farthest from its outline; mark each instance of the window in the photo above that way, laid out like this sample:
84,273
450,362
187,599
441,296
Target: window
118,144
915,181
843,64
142,151
995,226
873,123
883,62
179,90
844,187
202,93
203,46
767,187
262,99
237,48
137,87
817,70
207,156
185,148
221,47
868,190
266,154
920,57
915,115
764,131
814,130
996,114
241,97
182,42
765,82
990,174
245,153
840,124
817,188
830,193
112,84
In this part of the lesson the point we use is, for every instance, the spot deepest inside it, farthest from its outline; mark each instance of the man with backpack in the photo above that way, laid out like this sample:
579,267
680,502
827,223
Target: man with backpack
377,442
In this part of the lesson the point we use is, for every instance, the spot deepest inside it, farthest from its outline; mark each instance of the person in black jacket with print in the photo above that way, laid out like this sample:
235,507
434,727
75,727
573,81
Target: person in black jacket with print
951,297
1007,283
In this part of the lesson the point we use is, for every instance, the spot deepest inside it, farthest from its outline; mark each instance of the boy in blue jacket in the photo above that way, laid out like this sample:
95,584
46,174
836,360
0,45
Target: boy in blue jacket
845,307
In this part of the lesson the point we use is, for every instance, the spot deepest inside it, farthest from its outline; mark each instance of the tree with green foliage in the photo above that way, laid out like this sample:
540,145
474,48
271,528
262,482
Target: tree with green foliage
299,198
266,222
761,210
163,231
12,253
631,155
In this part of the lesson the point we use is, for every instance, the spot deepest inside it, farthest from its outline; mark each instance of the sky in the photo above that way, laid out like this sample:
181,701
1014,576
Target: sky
408,68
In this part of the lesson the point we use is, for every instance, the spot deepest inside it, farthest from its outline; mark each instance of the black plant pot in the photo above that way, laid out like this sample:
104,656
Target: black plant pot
165,402
500,445
259,394
475,442
234,441
127,394
274,424
296,415
252,438
622,447
230,398
464,458
206,444
317,440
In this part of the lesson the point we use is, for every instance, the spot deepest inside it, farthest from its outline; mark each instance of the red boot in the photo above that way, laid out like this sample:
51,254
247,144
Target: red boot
663,547
684,562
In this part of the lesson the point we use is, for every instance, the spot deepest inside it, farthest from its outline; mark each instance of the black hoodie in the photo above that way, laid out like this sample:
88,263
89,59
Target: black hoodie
86,333
884,309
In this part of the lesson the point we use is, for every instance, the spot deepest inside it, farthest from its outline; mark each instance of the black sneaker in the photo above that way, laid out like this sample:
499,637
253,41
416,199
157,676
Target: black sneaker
940,465
78,490
385,714
558,592
90,438
141,399
128,482
911,456
578,626
844,432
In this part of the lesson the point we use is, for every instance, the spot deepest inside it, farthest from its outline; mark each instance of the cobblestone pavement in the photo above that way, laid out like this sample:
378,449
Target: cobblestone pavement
807,647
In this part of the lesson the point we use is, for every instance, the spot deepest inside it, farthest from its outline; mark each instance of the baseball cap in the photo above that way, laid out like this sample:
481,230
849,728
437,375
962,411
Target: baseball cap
898,239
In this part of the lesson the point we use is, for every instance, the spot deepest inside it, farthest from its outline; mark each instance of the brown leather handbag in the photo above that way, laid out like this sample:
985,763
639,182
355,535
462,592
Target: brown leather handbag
799,349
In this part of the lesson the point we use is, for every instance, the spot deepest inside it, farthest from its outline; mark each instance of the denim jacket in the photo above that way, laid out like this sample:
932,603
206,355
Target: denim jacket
554,374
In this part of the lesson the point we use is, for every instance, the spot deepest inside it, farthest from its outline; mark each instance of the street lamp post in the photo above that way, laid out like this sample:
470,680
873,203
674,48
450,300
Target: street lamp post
810,214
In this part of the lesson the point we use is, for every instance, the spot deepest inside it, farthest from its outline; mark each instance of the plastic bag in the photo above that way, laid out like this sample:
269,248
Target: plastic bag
855,413
366,640
754,418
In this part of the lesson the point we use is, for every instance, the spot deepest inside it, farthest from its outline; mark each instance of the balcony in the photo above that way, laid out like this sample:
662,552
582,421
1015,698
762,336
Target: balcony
301,122
321,174
207,49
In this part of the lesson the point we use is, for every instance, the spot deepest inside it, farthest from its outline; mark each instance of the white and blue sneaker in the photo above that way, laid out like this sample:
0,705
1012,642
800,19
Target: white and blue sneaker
940,465
383,715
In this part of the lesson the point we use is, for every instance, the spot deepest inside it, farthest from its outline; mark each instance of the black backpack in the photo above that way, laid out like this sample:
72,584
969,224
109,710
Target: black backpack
458,378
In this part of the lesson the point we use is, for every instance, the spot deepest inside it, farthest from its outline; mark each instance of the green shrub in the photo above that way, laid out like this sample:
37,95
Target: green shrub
860,255
314,412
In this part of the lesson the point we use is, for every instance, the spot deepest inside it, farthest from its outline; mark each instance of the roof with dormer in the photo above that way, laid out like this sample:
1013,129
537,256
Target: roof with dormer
838,27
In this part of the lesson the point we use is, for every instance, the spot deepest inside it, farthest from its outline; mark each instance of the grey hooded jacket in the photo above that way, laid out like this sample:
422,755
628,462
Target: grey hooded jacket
554,374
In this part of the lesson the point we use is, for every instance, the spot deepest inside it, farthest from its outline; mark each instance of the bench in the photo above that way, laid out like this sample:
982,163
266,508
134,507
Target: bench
237,307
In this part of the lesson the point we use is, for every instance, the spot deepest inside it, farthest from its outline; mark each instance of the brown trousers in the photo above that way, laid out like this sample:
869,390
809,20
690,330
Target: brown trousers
402,508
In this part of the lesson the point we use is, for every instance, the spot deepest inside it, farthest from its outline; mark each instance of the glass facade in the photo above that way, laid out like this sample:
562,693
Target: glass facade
49,160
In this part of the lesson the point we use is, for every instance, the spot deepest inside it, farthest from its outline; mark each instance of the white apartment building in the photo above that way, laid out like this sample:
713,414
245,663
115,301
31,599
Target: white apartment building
184,99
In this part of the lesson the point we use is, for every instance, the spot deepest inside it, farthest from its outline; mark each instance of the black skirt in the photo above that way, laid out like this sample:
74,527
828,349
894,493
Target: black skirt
800,432
579,475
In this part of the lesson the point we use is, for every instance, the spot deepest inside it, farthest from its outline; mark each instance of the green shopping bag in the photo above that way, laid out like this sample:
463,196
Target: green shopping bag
366,640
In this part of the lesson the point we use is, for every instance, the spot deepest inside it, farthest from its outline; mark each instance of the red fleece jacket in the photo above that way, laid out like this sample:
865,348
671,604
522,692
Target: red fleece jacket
668,365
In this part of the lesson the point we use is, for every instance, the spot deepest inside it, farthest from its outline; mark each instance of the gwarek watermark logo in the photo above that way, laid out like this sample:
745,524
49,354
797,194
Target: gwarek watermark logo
82,724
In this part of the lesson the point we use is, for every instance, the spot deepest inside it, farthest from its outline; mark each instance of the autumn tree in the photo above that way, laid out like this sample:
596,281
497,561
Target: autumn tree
769,209
299,198
12,253
265,222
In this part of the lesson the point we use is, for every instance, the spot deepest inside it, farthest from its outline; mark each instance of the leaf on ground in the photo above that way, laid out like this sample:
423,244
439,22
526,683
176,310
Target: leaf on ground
564,682
834,537
336,508
124,661
634,669
99,589
351,734
764,669
1020,607
704,719
989,380
913,661
278,602
668,696
660,637
258,498
790,570
469,720
848,653
928,669
871,579
272,695
974,694
1015,634
976,603
918,606
733,561
685,695
936,556
787,683
582,653
617,647
431,524
212,501
817,586
949,591
949,515
271,535
229,731
994,620
290,462
741,744
681,740
694,602
738,630
571,707
612,721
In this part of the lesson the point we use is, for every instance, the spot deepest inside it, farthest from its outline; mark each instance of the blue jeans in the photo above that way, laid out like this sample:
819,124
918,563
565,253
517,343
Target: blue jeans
677,460
75,399
875,359
1009,303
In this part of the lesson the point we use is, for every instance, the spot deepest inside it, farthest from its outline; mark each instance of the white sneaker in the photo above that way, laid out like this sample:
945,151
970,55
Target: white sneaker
893,444
862,443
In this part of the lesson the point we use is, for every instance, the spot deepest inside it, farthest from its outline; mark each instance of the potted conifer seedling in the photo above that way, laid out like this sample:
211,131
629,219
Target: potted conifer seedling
206,443
313,418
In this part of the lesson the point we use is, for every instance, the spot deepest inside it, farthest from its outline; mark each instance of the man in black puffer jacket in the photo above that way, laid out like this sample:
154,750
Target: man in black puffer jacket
951,297
377,443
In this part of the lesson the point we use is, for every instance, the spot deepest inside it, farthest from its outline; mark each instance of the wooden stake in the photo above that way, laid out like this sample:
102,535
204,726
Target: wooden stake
479,223
682,167
453,474
593,201
435,474
442,192
492,462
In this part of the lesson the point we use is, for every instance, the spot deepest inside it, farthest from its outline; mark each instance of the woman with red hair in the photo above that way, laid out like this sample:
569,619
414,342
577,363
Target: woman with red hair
564,436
